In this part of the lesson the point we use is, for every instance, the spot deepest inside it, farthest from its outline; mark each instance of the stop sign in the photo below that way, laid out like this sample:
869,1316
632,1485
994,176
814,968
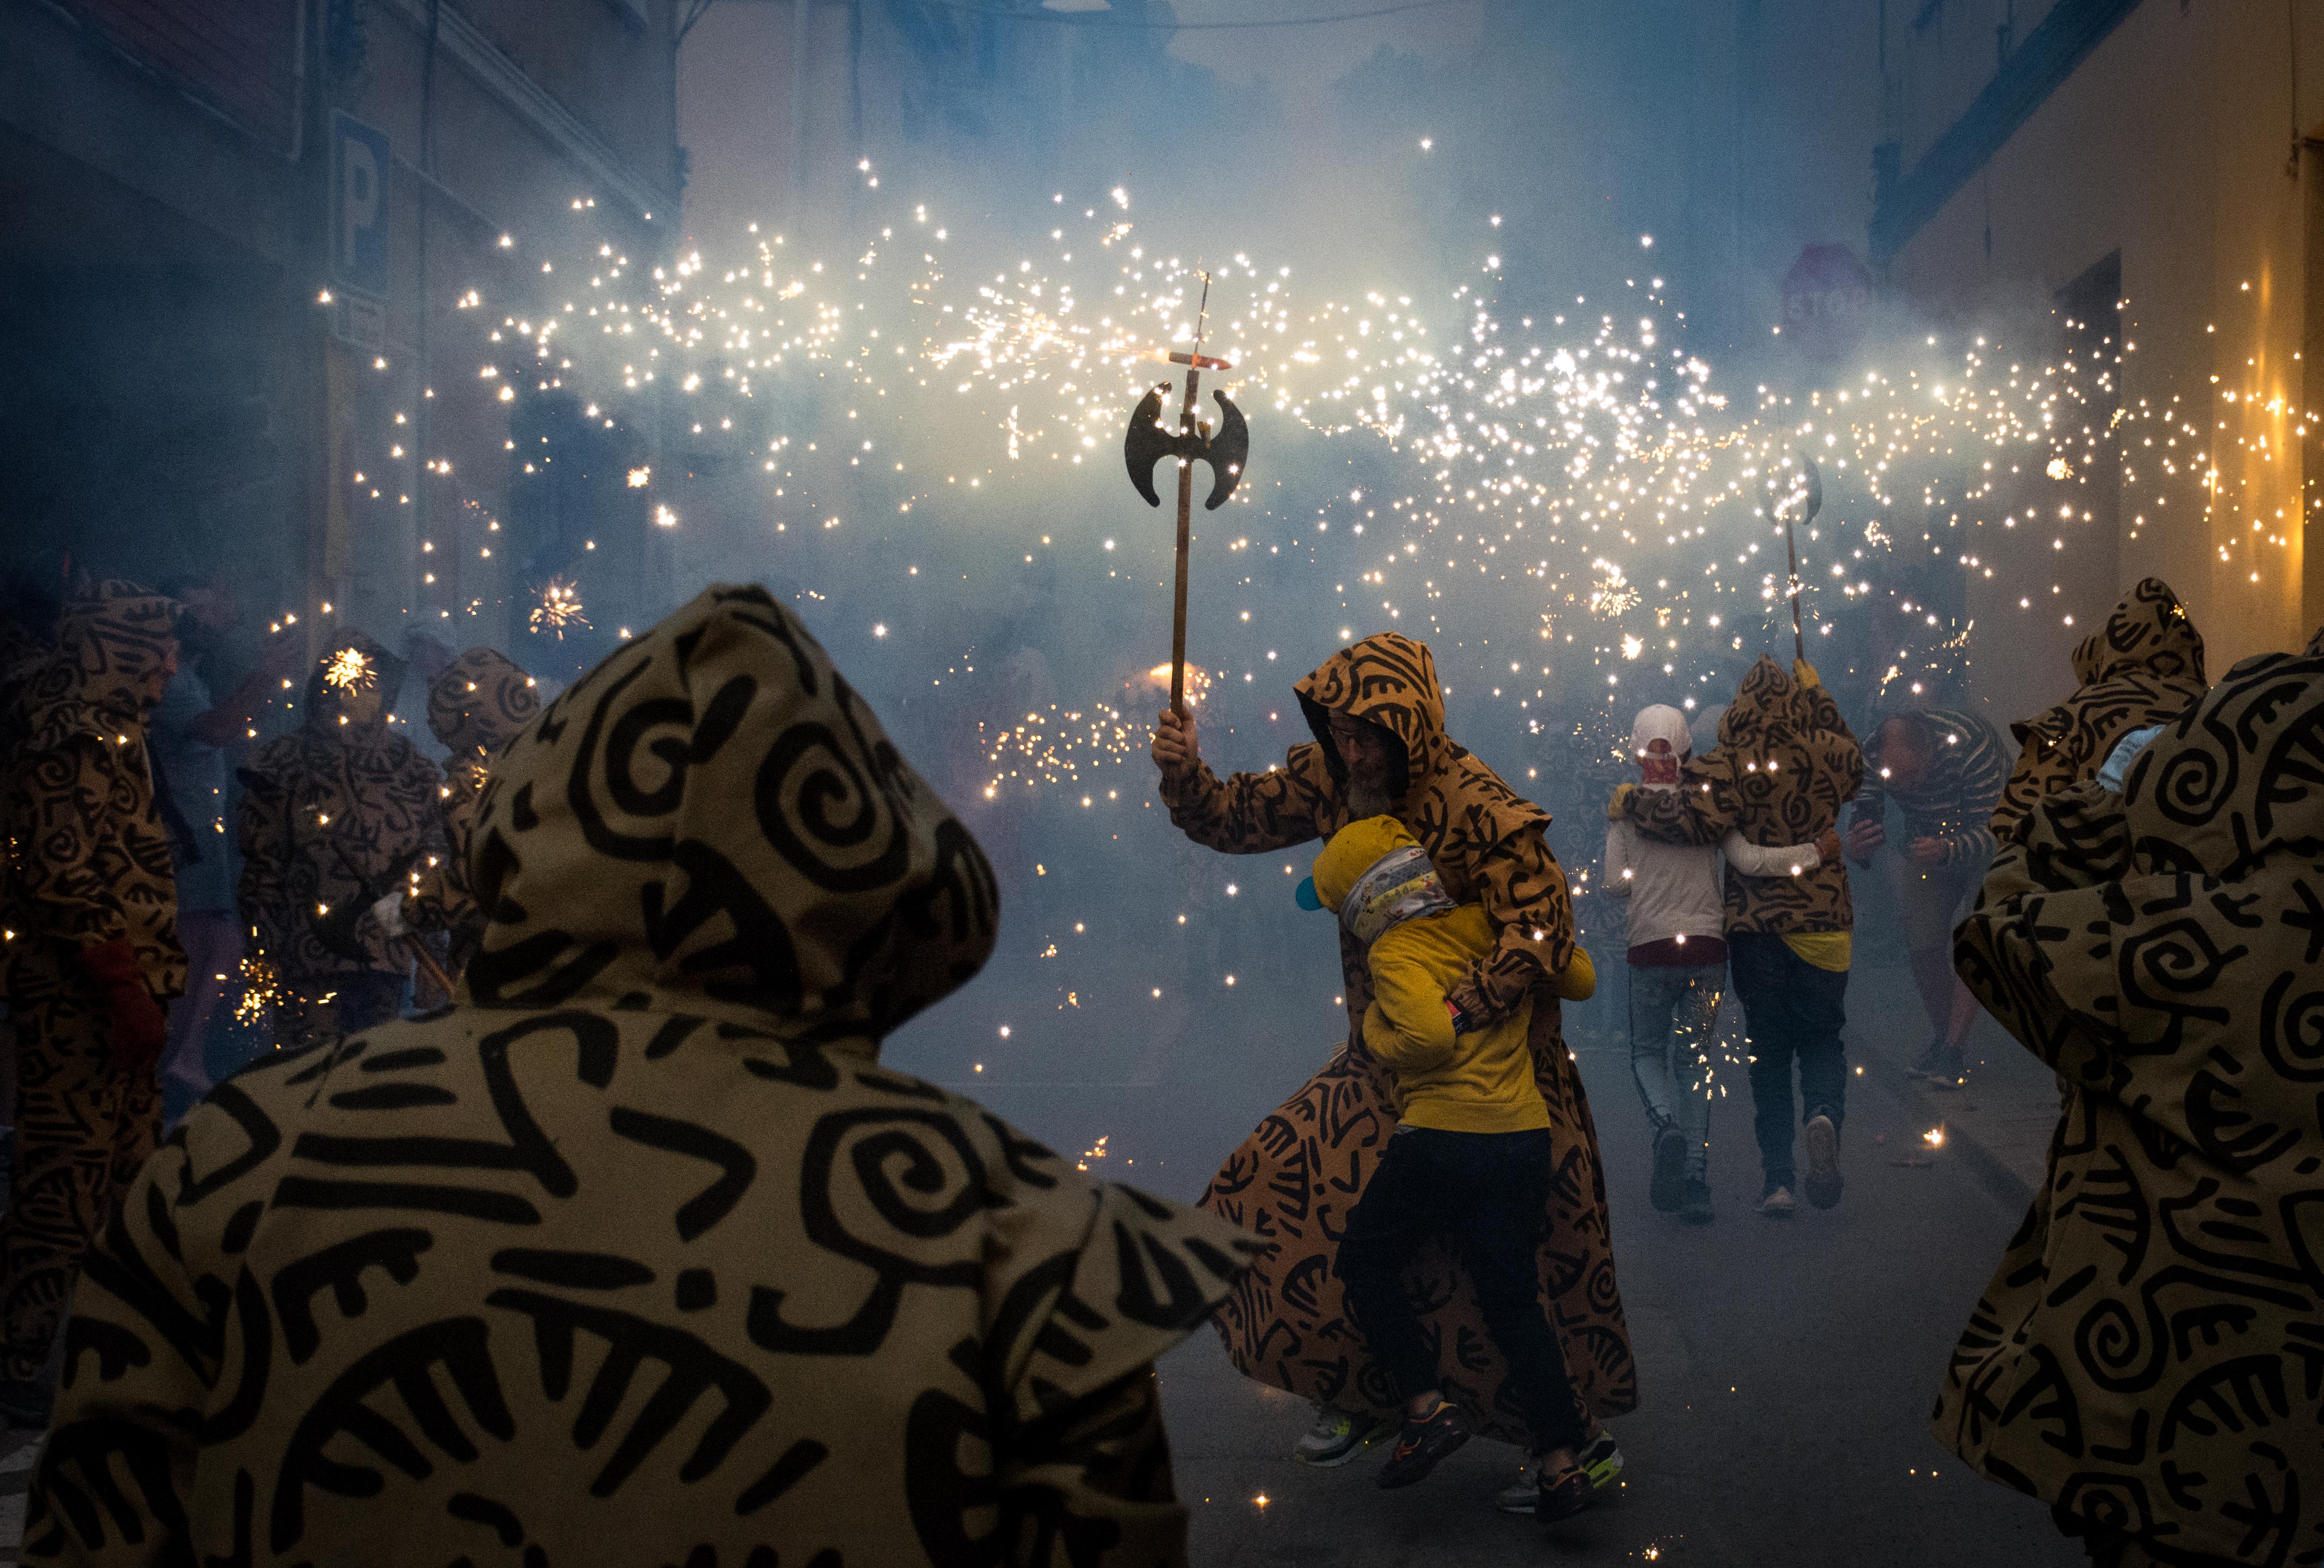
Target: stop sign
1826,302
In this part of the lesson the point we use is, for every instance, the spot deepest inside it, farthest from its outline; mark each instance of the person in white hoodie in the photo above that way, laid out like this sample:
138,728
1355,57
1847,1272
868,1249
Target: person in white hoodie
1678,962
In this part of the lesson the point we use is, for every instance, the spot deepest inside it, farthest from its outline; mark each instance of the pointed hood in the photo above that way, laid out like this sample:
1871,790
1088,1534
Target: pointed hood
109,643
480,702
713,821
1766,712
1389,680
2148,634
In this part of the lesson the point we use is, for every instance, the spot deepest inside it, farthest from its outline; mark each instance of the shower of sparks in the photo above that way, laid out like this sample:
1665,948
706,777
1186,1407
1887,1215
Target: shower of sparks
347,669
1934,1137
260,993
1058,747
560,607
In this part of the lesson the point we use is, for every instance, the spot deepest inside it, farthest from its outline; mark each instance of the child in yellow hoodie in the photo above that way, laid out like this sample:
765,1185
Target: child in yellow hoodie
1471,1159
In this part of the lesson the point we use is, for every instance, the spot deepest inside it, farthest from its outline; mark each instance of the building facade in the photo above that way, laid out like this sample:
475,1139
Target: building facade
2144,174
259,251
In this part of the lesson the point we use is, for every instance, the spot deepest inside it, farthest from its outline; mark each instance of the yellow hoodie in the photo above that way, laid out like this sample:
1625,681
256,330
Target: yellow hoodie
1418,944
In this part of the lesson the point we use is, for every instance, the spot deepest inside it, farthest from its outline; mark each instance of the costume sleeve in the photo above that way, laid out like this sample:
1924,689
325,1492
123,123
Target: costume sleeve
1703,809
263,824
1407,1026
2074,846
1084,1288
1250,813
1752,859
1870,803
141,1364
64,802
1616,870
1524,891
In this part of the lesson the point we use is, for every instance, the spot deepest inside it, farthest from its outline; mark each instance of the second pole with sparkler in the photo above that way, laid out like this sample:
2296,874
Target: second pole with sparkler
1148,442
1811,500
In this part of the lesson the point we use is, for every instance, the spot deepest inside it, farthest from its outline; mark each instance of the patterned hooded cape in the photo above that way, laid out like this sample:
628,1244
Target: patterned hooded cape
635,1254
1784,765
479,702
1294,1179
88,854
2145,667
327,808
2149,1355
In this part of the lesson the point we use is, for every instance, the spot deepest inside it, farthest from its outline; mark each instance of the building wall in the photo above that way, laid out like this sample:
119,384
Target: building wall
182,402
2171,142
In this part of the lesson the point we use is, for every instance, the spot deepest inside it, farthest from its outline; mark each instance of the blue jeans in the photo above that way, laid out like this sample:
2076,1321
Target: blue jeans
1490,1192
1673,1019
1794,1012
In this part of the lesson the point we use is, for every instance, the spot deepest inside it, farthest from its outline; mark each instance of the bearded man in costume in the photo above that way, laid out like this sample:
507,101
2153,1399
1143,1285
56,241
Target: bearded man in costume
475,707
1377,715
91,958
329,811
2148,1358
636,1254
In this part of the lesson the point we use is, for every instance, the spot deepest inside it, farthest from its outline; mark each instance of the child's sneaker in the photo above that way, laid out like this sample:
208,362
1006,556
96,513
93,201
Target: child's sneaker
1338,1438
1568,1495
1421,1445
1600,1460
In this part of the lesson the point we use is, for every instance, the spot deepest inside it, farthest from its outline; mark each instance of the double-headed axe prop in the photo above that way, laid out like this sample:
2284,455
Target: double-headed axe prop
1807,501
1148,442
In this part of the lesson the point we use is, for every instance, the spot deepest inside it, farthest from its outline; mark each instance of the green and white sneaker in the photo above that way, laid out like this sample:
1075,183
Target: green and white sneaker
1338,1438
1601,1460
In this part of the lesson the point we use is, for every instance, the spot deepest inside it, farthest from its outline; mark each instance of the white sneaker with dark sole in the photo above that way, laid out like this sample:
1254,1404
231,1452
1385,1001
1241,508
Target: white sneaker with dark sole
1825,1182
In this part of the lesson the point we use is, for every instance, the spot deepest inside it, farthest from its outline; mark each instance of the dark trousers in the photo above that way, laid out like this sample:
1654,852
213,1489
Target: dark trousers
1488,1193
1794,1012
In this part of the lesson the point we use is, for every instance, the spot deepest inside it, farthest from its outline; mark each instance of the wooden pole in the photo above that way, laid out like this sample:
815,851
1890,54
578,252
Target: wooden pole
1186,514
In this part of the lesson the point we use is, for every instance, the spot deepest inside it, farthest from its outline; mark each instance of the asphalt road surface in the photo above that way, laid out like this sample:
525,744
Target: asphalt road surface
1786,1370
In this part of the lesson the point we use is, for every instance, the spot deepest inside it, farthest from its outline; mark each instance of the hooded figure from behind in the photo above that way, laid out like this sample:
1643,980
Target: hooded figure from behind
1296,1178
636,1254
475,707
2149,1355
88,898
331,813
2144,668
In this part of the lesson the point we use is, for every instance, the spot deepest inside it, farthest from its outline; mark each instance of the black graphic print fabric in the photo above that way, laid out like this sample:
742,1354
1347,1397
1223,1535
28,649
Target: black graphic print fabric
2149,1356
2143,666
636,1254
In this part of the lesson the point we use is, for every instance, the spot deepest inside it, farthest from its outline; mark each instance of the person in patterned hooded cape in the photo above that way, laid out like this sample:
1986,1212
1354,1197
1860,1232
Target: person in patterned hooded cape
475,705
91,957
2144,668
1296,1179
337,807
636,1254
1784,765
2149,1356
